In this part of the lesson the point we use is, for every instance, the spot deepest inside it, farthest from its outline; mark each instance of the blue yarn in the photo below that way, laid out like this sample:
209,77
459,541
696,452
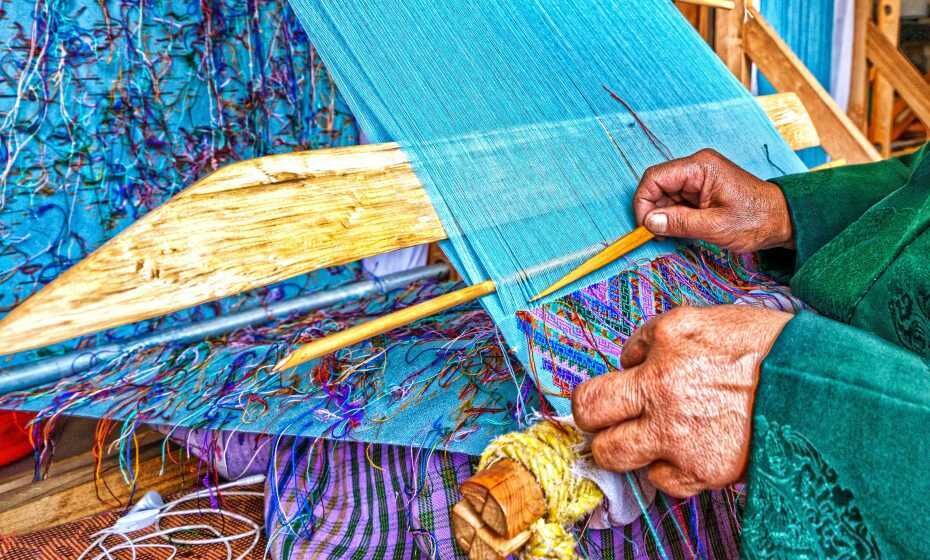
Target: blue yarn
807,27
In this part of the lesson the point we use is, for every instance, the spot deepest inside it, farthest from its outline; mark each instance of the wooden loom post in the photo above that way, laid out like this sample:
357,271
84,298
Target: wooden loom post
839,136
898,72
888,18
728,41
858,108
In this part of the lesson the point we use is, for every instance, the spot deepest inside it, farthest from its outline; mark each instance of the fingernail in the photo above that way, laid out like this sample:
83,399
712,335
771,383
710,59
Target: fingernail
657,222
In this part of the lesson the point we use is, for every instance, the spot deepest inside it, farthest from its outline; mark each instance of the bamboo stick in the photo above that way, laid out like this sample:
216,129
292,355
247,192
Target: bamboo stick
254,223
383,324
614,251
41,372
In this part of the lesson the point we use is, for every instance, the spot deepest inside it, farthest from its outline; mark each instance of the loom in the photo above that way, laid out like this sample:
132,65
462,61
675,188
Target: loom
368,176
270,219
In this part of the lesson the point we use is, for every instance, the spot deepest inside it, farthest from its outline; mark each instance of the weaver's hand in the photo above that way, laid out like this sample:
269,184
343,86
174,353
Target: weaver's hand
683,404
706,196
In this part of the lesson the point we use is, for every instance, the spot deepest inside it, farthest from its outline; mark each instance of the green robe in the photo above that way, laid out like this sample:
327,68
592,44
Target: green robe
840,459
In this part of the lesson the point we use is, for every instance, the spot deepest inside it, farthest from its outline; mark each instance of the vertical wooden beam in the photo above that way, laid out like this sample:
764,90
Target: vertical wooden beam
899,73
858,110
728,40
839,136
705,24
888,20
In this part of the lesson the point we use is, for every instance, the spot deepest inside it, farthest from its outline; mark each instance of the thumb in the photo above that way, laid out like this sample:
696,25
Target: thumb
680,221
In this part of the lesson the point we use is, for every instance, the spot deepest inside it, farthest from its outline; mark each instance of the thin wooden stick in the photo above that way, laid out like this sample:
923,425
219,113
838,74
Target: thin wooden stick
391,321
383,324
614,251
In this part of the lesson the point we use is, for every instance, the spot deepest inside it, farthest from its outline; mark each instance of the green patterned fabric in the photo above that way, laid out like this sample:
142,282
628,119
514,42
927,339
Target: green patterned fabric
840,448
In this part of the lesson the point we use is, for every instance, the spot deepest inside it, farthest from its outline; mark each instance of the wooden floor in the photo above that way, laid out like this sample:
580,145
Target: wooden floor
71,491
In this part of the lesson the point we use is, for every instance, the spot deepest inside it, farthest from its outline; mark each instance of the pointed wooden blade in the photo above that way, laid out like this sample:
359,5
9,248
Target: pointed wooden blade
612,252
246,225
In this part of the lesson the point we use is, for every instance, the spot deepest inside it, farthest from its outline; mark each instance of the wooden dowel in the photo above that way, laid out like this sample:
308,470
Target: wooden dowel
614,251
391,321
383,324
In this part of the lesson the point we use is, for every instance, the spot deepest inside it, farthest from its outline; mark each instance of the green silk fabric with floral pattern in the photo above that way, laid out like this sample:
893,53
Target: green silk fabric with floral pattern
841,427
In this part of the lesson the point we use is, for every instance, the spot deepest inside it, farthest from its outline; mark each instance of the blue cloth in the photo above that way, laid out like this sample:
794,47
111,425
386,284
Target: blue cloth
107,111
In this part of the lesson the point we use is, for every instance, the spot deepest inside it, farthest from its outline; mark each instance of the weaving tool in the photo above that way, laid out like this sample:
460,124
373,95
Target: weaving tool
381,325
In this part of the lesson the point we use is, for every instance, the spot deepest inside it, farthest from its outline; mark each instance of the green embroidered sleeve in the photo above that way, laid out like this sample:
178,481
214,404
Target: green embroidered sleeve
823,203
840,448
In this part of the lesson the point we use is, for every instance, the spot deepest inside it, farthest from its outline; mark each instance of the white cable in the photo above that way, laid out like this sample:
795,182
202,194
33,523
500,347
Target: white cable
157,512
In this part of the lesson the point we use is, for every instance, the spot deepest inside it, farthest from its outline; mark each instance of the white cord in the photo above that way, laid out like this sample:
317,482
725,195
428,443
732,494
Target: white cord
134,540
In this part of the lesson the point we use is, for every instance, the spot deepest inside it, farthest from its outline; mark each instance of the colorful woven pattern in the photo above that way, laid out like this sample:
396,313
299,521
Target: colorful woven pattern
581,335
328,499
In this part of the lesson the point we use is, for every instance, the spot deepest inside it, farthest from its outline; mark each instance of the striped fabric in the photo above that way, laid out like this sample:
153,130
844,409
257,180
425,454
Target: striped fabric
349,500
330,499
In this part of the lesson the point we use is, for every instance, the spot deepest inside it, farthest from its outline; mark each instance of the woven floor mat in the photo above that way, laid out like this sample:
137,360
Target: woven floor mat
69,540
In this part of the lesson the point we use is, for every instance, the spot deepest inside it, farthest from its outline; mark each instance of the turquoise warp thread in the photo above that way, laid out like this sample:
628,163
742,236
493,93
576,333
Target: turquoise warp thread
807,27
501,106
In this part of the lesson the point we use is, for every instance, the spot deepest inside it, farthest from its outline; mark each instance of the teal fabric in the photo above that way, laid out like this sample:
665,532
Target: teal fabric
823,203
840,446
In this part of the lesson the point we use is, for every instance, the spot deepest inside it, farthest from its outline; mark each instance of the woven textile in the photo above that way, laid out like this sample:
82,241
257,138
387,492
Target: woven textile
530,123
109,108
330,499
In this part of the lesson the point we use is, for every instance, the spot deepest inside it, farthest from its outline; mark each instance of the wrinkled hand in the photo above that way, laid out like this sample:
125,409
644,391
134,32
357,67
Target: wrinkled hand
706,196
683,404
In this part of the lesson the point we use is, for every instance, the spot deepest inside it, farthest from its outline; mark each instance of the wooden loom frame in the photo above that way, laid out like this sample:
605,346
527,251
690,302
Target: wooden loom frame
898,91
381,200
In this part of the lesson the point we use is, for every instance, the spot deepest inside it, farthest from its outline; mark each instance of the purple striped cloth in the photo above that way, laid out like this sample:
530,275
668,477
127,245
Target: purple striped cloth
330,499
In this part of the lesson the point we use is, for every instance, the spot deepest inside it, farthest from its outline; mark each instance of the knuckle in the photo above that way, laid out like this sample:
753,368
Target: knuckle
651,173
707,154
580,399
602,451
584,407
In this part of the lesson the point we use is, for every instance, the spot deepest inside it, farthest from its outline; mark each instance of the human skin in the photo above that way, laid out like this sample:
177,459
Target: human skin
682,405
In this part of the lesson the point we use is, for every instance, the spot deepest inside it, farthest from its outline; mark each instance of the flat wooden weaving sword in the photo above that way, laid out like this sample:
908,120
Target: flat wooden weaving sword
257,222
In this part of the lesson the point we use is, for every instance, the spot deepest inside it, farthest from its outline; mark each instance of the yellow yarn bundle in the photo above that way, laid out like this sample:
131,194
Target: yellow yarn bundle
549,450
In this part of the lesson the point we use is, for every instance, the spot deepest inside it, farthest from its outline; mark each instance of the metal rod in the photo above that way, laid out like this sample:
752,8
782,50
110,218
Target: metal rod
46,371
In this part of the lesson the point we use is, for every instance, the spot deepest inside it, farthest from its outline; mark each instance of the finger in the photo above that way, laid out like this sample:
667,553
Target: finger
683,221
673,481
677,180
636,348
607,400
626,446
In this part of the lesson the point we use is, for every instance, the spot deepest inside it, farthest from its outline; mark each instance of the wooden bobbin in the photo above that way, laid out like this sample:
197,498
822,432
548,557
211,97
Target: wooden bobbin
499,504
